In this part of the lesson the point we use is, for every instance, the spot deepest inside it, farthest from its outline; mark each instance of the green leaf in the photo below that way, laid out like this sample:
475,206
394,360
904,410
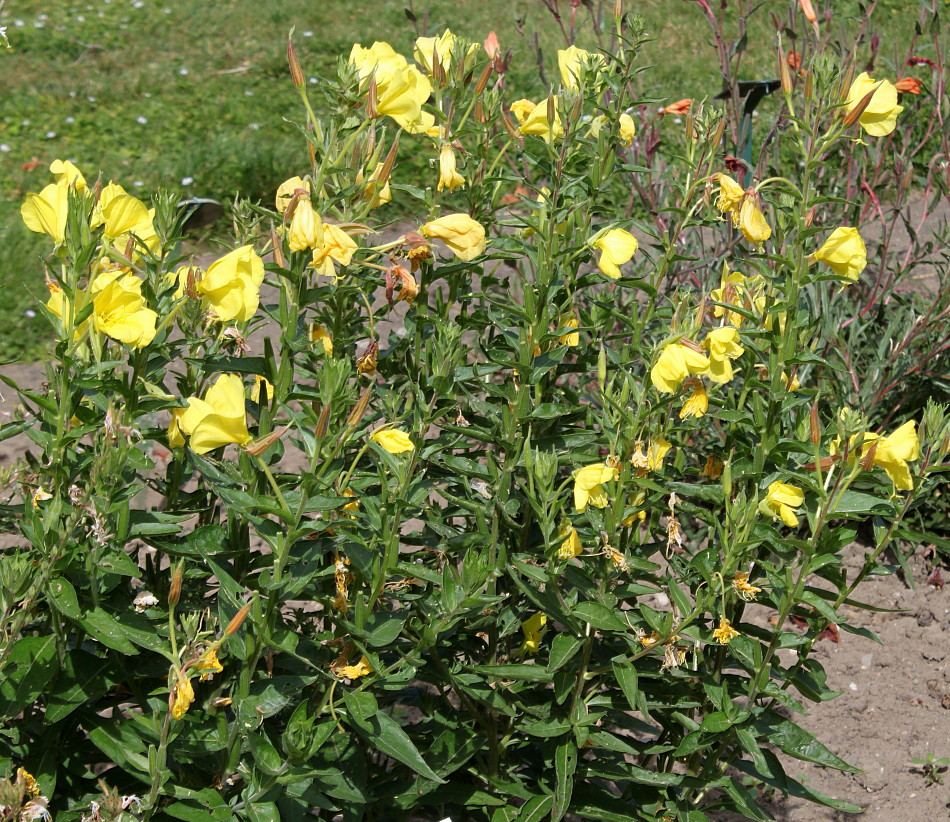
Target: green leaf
385,734
600,616
626,676
716,723
63,596
563,648
534,810
527,673
854,502
565,763
796,741
265,754
82,680
28,667
108,631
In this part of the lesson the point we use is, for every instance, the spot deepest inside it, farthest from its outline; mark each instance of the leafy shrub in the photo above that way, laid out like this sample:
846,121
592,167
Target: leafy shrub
481,519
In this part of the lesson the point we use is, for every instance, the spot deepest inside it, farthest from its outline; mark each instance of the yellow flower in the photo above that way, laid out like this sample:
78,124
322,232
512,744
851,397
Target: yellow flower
122,215
448,177
208,665
536,121
261,382
442,45
375,193
675,364
463,235
648,640
45,213
120,311
725,633
219,418
351,507
337,247
588,488
108,194
713,467
306,227
730,194
571,545
617,247
40,495
894,451
723,347
880,117
736,289
287,189
844,252
794,385
65,170
533,629
780,501
25,778
393,440
319,334
572,338
628,129
741,585
751,222
401,89
572,62
697,403
184,696
231,285
361,668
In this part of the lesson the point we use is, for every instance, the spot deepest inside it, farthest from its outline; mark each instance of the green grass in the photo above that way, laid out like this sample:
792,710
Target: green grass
191,95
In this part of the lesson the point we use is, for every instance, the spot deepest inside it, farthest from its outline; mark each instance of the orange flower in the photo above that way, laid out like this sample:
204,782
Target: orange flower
908,85
794,60
679,107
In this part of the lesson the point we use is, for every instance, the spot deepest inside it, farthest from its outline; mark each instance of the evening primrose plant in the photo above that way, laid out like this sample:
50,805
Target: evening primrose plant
469,518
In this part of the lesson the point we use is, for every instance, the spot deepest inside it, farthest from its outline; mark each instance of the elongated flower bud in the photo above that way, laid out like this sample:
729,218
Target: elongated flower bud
237,620
483,79
296,72
174,591
855,114
784,73
815,430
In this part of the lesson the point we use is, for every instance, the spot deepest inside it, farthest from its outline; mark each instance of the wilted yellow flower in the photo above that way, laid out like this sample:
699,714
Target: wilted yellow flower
463,235
361,668
442,45
218,419
571,63
572,338
628,129
723,347
780,502
730,194
571,544
377,194
713,467
894,451
120,311
287,189
231,285
751,221
736,289
25,778
522,108
697,403
65,170
725,633
792,385
844,252
175,438
741,585
184,696
306,227
588,488
319,334
261,382
448,177
648,640
880,117
617,247
675,364
338,247
657,449
45,213
533,629
535,120
40,495
393,440
208,664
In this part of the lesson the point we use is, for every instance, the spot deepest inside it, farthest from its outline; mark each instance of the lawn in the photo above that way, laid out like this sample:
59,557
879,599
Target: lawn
195,96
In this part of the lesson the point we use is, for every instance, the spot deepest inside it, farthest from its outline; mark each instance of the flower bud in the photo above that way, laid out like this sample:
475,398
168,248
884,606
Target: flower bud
855,114
815,429
372,99
323,422
510,127
296,72
483,79
808,10
784,72
174,592
237,620
867,462
360,408
258,447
